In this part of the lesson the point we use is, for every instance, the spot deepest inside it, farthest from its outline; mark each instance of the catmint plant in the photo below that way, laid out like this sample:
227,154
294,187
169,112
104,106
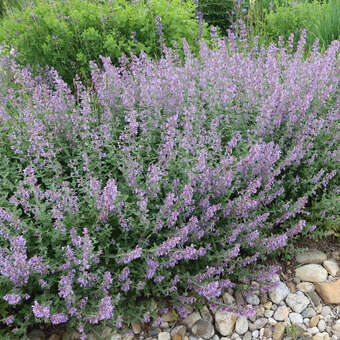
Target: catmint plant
162,179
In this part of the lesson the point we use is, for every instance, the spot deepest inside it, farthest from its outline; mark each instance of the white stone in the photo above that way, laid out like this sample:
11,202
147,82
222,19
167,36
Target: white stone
326,310
311,273
246,336
281,314
297,302
261,333
308,312
268,313
255,334
253,300
295,318
225,322
313,330
331,266
305,287
322,325
164,336
261,322
241,326
279,293
272,321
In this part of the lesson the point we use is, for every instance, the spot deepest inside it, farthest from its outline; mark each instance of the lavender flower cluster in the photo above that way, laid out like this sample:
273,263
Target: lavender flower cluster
159,179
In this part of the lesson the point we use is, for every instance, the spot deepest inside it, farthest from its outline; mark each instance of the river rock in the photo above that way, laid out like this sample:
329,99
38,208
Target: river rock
281,313
279,331
322,325
311,273
164,336
308,312
314,321
228,299
260,323
279,293
203,329
191,319
305,287
315,298
178,330
311,256
332,267
298,302
241,326
295,318
225,322
206,315
253,300
329,291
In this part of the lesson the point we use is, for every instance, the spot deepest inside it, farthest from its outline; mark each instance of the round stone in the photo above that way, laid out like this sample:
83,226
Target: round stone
253,300
268,313
314,321
279,293
180,330
246,336
272,321
305,287
308,312
225,322
322,325
191,319
311,256
281,313
164,336
326,310
331,266
298,302
260,323
313,330
203,329
311,273
228,299
241,326
295,318
306,322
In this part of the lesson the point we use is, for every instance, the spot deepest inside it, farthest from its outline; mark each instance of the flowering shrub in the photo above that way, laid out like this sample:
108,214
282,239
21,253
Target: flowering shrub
68,34
163,180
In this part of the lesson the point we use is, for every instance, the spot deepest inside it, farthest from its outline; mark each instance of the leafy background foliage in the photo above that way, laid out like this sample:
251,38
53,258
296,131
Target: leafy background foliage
68,34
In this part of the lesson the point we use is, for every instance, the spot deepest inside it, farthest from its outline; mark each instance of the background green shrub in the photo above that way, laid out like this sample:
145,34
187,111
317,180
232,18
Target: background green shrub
319,18
215,12
326,27
68,34
285,20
